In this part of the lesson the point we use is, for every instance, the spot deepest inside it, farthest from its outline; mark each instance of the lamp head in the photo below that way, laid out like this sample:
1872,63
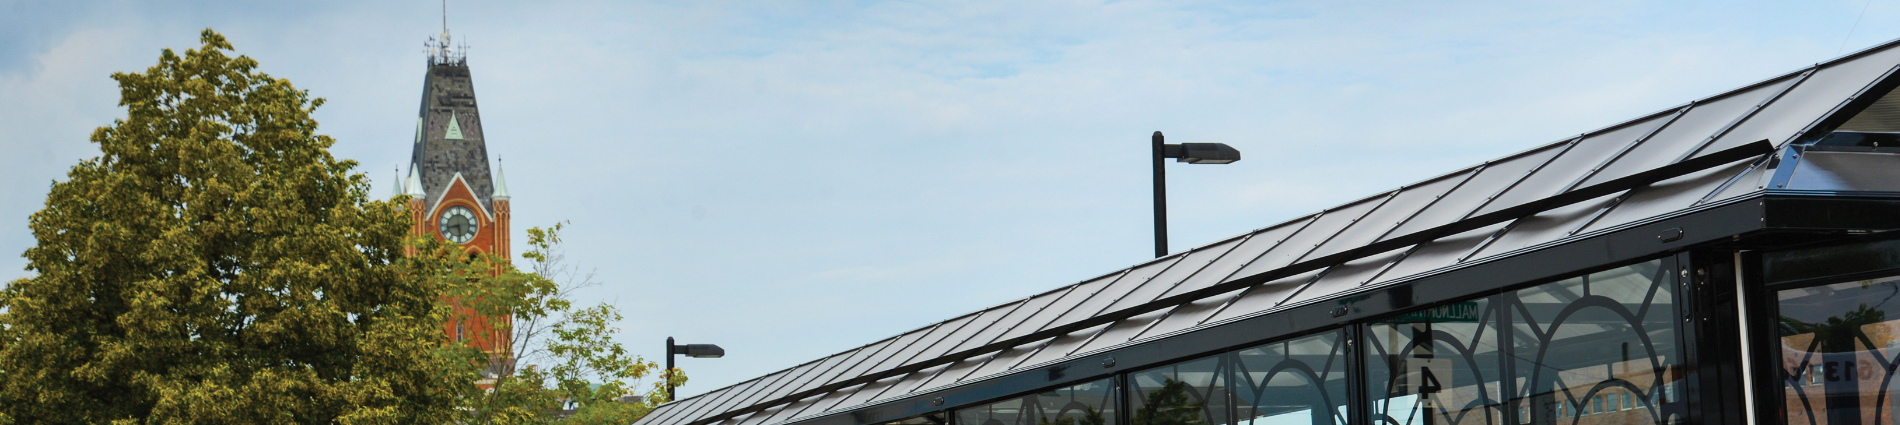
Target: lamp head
704,351
1208,153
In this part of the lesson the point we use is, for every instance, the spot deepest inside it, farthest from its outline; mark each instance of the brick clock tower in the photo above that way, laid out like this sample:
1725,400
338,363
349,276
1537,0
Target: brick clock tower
452,194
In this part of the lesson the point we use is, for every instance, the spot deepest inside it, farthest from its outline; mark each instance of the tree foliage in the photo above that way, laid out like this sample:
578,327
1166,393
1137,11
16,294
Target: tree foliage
216,265
572,370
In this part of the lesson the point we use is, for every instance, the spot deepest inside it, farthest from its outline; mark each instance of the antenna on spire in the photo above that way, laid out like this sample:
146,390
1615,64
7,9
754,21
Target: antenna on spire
441,51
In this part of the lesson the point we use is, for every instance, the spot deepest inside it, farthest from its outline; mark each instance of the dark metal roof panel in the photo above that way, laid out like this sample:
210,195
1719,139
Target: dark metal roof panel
1135,285
1495,177
1703,121
1250,250
1328,224
1262,297
1188,315
1090,295
1829,87
1666,196
805,381
1402,208
1343,277
1564,172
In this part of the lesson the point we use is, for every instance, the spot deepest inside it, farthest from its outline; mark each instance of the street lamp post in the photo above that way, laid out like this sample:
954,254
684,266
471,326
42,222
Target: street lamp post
1192,153
707,351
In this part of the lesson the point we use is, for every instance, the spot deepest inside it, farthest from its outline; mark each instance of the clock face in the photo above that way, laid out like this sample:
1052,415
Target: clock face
458,225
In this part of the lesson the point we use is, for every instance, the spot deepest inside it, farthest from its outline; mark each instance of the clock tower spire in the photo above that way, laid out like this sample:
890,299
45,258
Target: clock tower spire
453,194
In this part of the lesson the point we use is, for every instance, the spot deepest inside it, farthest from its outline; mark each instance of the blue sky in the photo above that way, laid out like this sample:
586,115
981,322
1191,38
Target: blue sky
794,179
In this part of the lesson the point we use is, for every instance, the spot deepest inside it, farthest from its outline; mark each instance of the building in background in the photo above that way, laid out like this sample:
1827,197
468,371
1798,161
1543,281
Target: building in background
1728,260
453,195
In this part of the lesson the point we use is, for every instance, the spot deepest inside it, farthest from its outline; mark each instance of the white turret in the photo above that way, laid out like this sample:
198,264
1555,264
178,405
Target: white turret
395,186
414,185
501,183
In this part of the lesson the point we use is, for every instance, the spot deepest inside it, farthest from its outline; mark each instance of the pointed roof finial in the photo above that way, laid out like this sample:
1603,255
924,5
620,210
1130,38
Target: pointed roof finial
501,182
395,188
414,185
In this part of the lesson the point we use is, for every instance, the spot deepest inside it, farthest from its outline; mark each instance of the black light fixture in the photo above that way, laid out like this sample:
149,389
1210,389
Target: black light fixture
702,351
1192,153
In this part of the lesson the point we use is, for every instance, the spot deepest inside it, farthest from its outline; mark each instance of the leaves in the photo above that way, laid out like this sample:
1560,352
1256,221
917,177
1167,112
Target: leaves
216,265
574,371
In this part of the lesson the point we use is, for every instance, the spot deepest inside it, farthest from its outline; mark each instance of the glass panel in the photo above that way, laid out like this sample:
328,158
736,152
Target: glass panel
1546,226
1188,315
1062,346
1394,213
1846,171
1011,319
1123,330
1165,282
936,336
1748,183
1834,260
1298,381
1838,350
1263,297
1220,270
1195,392
1344,277
766,392
1005,360
1087,403
953,339
1576,163
792,410
1079,295
1599,348
958,371
1702,121
1297,246
1436,366
1808,101
805,382
1440,253
886,352
1668,196
1136,282
1495,177
914,381
857,358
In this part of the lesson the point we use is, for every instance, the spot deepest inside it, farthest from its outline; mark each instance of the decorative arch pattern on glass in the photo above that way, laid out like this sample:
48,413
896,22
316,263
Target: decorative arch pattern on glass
1840,349
1598,348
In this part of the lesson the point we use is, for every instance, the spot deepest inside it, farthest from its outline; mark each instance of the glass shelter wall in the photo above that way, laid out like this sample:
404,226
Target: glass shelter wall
1837,330
1600,348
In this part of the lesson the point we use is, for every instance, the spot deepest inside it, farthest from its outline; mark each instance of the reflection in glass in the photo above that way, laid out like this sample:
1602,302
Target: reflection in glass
1188,393
1597,349
1436,366
1298,381
1837,352
1087,403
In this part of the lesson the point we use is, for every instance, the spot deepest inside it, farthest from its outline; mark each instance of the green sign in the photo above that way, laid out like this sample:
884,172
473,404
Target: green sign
1458,312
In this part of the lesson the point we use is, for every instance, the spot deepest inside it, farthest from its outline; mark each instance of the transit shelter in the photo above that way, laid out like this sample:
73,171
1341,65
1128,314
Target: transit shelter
1728,260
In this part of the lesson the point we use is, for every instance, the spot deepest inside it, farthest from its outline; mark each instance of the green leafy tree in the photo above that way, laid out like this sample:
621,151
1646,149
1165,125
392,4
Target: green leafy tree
570,368
1169,405
216,265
